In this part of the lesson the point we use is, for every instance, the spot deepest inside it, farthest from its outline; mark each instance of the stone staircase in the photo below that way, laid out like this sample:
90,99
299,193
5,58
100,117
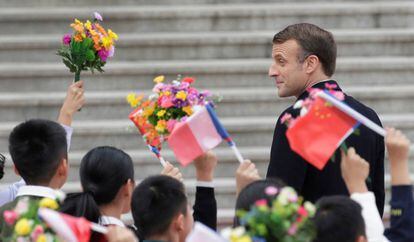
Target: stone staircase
226,45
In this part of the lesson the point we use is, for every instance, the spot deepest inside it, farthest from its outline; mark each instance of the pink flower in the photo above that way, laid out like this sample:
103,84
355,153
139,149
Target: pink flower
302,211
10,217
170,124
157,88
166,102
286,118
111,51
261,202
330,86
184,85
292,230
103,54
338,95
38,230
97,16
67,38
271,190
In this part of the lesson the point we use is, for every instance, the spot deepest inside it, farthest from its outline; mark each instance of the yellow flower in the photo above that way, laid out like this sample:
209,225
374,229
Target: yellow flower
166,93
159,79
48,203
148,111
161,113
133,99
88,25
107,42
77,26
161,126
22,227
188,110
41,238
112,34
244,238
181,95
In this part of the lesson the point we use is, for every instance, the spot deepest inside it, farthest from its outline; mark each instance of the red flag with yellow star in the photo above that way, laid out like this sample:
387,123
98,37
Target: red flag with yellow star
316,135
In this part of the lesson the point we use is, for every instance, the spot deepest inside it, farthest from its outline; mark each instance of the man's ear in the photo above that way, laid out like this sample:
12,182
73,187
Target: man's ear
312,64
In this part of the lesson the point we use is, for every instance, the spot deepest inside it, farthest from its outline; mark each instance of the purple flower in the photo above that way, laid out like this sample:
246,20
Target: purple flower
97,16
103,54
66,39
111,51
179,103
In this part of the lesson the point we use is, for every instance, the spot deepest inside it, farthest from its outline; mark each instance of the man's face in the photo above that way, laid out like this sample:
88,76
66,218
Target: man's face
290,76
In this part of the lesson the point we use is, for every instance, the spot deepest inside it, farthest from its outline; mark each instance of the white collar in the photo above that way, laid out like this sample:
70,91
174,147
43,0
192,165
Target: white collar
108,220
38,191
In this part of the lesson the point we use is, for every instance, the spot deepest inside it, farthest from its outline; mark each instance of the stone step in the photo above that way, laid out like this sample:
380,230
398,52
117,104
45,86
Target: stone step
83,3
246,131
46,77
209,45
236,102
220,17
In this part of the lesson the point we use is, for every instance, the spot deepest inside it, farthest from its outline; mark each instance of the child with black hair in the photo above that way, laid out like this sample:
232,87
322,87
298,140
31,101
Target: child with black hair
2,161
74,101
107,180
39,152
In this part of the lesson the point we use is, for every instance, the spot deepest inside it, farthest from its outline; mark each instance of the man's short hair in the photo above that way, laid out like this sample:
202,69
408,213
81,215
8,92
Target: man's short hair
339,219
313,41
155,203
37,147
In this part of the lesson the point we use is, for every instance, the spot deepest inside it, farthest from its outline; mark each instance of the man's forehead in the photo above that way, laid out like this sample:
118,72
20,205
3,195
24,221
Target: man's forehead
286,48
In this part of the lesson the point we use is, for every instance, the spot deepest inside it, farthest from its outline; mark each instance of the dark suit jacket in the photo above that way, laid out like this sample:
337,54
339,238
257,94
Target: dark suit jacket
205,207
312,183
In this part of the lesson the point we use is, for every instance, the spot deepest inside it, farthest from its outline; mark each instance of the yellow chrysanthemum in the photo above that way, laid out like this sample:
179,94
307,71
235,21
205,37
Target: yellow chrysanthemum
244,238
188,110
159,79
112,34
22,227
48,203
107,42
148,111
166,93
133,100
161,126
181,95
88,25
41,238
161,113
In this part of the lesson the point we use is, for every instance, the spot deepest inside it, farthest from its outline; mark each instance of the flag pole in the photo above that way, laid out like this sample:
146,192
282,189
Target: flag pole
99,228
354,114
236,152
157,153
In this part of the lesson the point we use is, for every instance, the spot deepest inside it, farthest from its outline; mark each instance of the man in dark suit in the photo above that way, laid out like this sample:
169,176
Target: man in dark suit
304,56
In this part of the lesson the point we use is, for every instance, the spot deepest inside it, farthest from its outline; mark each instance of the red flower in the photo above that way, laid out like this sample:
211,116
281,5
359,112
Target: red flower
189,80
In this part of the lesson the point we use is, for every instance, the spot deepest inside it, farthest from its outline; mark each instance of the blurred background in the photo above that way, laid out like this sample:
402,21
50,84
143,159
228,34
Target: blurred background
225,45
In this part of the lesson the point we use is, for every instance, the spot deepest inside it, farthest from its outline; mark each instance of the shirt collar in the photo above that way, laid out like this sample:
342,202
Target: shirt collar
37,191
108,220
320,85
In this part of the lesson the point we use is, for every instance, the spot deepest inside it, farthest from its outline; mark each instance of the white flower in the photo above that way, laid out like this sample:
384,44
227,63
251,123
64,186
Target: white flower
22,206
287,194
153,97
310,208
60,195
303,111
298,104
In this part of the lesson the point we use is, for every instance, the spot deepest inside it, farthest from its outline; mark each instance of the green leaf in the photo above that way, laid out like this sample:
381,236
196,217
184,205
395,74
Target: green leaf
90,55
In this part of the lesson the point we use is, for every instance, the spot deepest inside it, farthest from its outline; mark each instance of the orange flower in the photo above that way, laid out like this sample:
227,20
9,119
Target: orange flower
78,37
100,29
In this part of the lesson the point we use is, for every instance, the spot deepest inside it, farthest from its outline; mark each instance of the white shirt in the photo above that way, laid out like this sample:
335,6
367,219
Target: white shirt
374,228
108,220
9,194
38,191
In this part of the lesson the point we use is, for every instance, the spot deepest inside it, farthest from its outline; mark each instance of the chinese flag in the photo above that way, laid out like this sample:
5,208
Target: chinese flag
316,135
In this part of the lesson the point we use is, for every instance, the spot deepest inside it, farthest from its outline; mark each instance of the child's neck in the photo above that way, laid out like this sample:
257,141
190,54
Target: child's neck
111,209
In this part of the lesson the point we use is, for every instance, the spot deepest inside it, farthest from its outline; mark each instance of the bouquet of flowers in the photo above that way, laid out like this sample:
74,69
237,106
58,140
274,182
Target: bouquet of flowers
170,103
88,47
286,219
25,222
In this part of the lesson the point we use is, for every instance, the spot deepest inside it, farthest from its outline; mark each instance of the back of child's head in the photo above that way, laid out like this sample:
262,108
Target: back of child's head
103,171
37,147
2,162
156,201
339,219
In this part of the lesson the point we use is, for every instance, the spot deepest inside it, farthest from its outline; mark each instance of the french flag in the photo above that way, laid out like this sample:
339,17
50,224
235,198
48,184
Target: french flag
199,133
